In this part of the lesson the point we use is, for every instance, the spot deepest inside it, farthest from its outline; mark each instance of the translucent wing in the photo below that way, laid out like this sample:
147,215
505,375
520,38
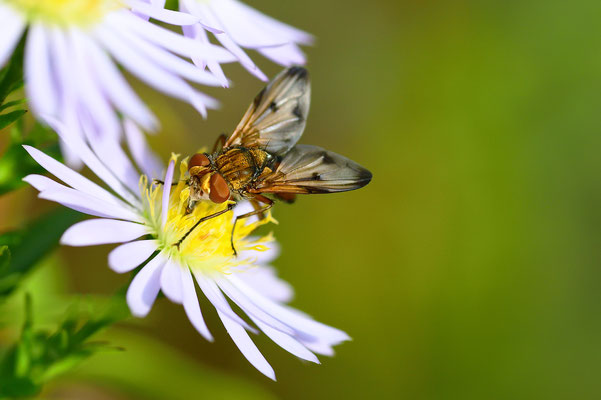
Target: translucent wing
277,117
311,169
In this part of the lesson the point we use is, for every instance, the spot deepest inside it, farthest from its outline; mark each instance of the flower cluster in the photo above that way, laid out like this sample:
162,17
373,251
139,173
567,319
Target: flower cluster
74,52
73,47
149,224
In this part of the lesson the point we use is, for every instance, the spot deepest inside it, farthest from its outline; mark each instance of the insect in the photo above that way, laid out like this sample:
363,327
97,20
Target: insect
260,161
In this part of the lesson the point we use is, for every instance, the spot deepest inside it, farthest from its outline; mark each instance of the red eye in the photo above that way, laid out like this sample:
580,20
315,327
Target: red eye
198,160
220,191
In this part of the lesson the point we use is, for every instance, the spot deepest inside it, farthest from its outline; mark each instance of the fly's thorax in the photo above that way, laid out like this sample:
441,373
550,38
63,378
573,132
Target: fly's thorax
239,166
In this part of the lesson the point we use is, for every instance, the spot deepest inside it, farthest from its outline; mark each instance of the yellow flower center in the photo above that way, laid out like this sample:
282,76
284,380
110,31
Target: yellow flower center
208,246
65,12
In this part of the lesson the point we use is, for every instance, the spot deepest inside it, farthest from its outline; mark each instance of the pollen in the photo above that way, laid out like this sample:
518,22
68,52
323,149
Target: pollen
80,13
208,246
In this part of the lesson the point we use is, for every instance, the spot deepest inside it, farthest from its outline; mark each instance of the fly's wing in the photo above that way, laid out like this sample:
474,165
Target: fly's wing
277,117
311,169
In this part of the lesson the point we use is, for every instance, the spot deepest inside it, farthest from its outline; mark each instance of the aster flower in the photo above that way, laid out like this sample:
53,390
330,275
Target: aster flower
71,49
236,26
148,223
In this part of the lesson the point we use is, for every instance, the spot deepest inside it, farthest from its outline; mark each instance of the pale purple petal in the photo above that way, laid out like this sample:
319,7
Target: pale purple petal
117,88
70,177
286,55
252,28
171,282
151,74
264,280
169,40
250,308
161,14
212,292
198,33
147,161
286,342
75,142
207,15
39,79
12,28
92,103
112,155
76,200
102,231
128,256
191,305
246,346
145,286
93,206
170,62
166,191
41,182
300,323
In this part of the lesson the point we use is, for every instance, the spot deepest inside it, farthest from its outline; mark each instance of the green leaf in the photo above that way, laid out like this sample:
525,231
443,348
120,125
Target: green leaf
150,369
9,118
15,163
29,245
11,76
12,104
4,258
40,356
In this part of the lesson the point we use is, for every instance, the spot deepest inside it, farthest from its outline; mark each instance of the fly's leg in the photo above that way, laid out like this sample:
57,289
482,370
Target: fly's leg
203,219
160,182
258,211
220,142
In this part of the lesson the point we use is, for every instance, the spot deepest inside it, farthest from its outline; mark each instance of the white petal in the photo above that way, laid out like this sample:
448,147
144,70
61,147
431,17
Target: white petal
70,177
128,256
300,323
112,155
82,201
41,182
286,55
198,33
252,28
169,40
75,142
117,88
286,342
170,62
191,305
171,282
147,161
148,72
226,40
41,92
166,191
144,288
265,281
246,346
102,231
12,28
261,257
250,308
161,14
212,292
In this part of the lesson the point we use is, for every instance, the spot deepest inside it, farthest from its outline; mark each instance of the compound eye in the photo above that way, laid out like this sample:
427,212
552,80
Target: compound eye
198,160
220,191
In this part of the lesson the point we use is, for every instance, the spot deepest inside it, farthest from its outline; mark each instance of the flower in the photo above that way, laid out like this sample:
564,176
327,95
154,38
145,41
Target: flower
70,52
149,225
236,26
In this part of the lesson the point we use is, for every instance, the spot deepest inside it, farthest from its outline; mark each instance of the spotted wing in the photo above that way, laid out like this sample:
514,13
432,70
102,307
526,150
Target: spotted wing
277,117
311,169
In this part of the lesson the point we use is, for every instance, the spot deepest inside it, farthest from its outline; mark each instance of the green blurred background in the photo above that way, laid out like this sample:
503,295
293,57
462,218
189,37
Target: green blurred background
470,268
